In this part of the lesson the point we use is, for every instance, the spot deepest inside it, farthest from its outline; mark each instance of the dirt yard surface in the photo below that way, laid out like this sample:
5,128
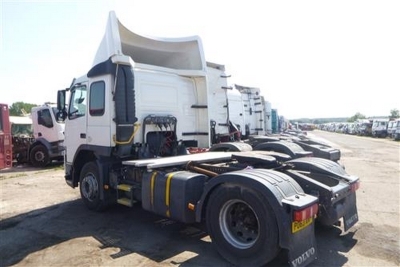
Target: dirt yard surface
43,222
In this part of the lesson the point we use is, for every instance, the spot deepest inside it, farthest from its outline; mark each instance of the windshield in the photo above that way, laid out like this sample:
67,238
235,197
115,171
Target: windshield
77,105
21,129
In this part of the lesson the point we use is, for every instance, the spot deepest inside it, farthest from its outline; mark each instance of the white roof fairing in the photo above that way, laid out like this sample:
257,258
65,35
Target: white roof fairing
185,54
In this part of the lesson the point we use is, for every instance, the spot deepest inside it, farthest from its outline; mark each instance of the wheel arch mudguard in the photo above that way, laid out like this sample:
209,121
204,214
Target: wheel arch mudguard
282,192
289,148
336,189
104,165
231,146
40,141
84,154
53,148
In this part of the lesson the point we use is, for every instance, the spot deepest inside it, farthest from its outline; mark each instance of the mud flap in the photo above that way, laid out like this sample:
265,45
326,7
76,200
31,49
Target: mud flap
303,249
350,217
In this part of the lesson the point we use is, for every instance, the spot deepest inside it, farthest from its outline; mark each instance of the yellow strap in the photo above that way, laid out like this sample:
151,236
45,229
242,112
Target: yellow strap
152,182
167,193
136,128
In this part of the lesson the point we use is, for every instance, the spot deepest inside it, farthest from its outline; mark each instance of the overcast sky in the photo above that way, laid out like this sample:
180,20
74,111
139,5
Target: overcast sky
310,58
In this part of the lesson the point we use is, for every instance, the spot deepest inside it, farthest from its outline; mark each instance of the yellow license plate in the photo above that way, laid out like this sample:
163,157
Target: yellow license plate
297,226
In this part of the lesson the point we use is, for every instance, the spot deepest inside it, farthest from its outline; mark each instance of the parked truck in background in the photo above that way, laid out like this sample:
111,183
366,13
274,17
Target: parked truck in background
391,128
48,134
396,130
247,117
38,139
364,127
379,127
22,138
129,122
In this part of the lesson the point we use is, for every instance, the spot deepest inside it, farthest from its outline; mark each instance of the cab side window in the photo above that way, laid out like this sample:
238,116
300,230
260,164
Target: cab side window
77,105
97,99
44,118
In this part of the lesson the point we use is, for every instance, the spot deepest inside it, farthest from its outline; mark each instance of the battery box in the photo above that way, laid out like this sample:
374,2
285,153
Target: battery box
173,195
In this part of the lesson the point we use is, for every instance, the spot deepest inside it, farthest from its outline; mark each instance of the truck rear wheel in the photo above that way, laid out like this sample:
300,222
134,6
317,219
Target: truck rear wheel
89,185
39,156
242,226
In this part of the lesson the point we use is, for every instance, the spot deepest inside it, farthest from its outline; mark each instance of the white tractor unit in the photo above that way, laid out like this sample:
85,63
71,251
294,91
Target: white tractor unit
39,138
130,124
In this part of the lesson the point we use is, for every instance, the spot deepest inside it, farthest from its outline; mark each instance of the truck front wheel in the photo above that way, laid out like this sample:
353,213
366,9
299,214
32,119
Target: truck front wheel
89,185
39,156
242,226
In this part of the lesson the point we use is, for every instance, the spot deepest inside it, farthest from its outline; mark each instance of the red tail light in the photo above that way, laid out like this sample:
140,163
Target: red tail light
301,215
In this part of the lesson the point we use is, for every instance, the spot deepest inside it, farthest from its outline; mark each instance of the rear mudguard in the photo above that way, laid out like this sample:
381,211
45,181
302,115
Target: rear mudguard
284,195
258,139
320,151
332,185
289,148
231,146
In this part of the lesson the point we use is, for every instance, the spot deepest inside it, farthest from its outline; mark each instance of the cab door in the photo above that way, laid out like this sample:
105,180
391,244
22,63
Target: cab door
99,123
43,124
76,124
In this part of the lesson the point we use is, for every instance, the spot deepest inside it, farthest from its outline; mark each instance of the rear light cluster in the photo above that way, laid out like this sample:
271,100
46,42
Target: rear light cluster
304,214
355,186
8,158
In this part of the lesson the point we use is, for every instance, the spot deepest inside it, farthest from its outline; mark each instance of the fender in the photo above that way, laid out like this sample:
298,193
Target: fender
54,148
320,151
320,165
84,153
336,189
231,146
289,148
104,165
282,192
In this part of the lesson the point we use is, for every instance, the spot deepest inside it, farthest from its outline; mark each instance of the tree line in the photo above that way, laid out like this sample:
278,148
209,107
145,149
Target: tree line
394,114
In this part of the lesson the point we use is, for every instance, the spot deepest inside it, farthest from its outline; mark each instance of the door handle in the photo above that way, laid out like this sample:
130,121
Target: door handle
83,135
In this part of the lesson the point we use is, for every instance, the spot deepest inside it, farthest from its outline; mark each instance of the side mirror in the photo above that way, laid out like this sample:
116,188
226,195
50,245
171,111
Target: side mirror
61,99
61,106
61,115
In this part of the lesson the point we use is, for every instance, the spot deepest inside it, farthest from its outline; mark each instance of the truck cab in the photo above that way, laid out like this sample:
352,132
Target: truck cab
379,127
142,98
391,128
38,139
396,130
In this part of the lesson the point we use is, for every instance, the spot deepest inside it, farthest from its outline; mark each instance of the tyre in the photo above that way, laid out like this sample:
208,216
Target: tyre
89,186
242,226
39,156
